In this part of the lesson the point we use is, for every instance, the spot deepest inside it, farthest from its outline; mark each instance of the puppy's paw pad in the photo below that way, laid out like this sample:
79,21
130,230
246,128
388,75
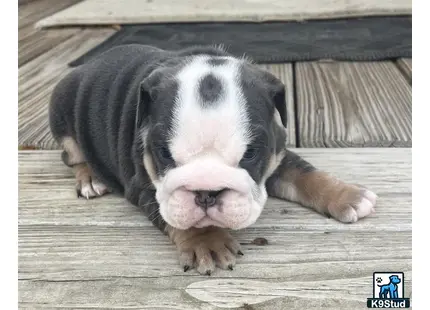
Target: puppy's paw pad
347,215
85,190
205,264
352,204
99,188
186,260
371,196
366,205
225,259
91,189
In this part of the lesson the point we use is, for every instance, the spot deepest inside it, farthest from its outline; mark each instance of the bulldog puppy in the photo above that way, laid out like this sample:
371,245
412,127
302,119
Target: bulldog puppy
196,138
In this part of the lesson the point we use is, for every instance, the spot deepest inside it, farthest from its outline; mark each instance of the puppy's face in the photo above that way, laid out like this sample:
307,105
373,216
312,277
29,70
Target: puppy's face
215,137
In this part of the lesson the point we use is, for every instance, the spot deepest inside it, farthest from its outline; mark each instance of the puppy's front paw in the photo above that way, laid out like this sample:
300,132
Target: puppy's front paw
350,203
205,248
90,188
87,185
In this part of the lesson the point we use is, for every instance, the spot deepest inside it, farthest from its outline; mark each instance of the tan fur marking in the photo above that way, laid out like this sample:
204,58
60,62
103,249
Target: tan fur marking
82,172
72,148
327,194
274,162
148,163
317,189
277,118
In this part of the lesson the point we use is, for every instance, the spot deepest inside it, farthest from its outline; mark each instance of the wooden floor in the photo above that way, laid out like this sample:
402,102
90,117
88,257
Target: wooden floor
104,253
352,119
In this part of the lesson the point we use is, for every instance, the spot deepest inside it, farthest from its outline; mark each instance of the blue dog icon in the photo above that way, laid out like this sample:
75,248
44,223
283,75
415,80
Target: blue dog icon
390,288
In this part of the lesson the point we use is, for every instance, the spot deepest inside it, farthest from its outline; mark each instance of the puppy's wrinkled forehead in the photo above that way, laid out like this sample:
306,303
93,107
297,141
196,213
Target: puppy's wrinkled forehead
210,114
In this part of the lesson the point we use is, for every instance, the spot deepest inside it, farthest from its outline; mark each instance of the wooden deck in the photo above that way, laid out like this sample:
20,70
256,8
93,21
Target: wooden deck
352,119
104,253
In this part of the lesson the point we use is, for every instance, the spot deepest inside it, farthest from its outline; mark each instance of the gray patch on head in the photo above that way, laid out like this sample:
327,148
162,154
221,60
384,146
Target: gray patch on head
210,90
217,62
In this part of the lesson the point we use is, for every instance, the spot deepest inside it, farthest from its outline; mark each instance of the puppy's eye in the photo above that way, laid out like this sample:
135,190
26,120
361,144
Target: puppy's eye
250,154
164,153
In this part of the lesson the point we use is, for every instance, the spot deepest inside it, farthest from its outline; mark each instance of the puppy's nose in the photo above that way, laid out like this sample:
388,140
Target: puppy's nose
206,199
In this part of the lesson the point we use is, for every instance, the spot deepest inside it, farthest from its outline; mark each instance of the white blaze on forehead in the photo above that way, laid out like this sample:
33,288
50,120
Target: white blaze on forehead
222,126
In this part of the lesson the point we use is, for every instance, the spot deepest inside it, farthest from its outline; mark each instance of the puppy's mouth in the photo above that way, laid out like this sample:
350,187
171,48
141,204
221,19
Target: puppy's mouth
212,214
208,221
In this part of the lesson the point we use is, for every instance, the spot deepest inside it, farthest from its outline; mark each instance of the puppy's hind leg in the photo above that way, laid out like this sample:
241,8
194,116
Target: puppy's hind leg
87,185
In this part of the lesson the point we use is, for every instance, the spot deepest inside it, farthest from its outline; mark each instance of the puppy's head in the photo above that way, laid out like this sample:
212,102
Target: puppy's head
215,133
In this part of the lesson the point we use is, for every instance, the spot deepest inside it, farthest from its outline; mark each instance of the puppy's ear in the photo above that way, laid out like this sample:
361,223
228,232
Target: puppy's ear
144,100
278,96
146,95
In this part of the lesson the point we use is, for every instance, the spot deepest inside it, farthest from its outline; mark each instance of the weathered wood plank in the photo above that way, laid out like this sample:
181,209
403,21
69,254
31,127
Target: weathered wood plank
103,253
405,65
37,80
101,12
284,72
138,293
23,2
79,267
55,244
32,42
353,105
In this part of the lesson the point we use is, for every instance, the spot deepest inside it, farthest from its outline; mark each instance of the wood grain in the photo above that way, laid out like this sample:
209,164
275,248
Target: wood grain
405,65
104,253
37,80
284,72
353,104
23,2
33,42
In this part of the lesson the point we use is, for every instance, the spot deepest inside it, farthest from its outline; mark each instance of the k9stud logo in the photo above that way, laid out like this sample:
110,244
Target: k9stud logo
388,291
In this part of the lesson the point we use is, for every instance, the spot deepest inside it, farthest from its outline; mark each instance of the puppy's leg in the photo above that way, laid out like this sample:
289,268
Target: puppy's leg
87,185
297,180
200,248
